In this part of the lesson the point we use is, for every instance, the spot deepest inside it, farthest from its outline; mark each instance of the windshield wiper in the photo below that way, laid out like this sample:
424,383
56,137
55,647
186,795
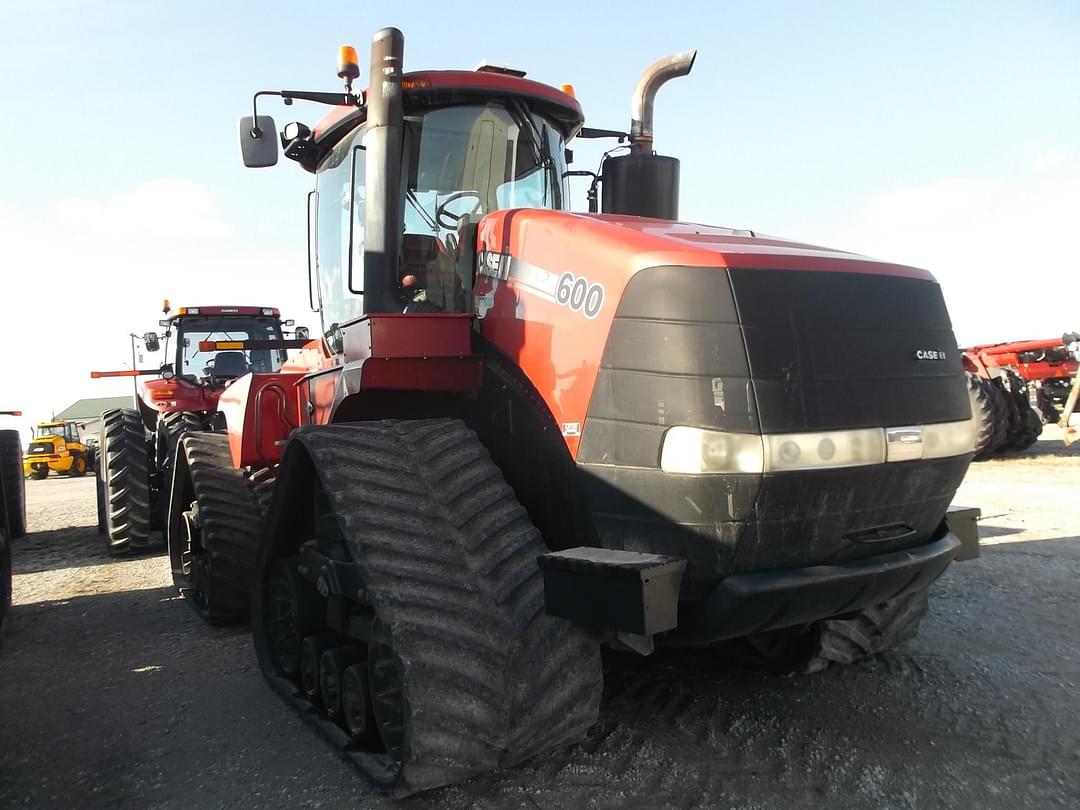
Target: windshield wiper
410,195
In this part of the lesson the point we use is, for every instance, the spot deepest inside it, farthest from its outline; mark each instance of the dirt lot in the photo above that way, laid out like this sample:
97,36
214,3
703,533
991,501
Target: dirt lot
113,694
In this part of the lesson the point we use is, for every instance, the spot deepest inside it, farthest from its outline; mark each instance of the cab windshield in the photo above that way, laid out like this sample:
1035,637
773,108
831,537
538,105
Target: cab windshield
459,163
66,431
227,363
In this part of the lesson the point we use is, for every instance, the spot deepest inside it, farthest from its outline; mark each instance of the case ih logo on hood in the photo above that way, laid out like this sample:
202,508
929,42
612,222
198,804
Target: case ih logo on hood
929,354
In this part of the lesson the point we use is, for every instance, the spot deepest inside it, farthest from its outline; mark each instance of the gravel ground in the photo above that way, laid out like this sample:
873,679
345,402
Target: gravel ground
113,694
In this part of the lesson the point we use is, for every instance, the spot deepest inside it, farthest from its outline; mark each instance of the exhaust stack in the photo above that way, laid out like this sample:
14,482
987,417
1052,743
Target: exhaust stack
641,104
643,183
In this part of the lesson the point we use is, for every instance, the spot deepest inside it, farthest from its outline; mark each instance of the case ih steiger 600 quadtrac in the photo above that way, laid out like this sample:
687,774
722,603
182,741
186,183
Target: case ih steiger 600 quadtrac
699,433
214,345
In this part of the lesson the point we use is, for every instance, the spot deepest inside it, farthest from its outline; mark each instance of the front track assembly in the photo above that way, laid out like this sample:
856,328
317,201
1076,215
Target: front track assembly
399,607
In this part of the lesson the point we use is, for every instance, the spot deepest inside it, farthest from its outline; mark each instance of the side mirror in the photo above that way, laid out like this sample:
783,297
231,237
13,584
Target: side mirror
258,141
150,340
303,333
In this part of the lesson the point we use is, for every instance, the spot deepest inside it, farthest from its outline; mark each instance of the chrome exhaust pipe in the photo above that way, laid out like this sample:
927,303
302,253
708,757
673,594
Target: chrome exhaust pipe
641,104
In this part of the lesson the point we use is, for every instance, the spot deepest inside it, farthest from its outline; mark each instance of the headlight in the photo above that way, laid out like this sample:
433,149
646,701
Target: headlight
694,451
949,439
831,448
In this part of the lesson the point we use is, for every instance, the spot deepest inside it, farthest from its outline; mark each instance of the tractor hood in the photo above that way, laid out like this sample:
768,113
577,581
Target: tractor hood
637,242
656,322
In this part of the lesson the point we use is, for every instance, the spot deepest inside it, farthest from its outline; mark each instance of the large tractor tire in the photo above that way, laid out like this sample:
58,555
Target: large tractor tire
171,428
126,480
439,604
838,641
1025,425
982,408
5,576
14,486
102,507
39,472
78,465
212,529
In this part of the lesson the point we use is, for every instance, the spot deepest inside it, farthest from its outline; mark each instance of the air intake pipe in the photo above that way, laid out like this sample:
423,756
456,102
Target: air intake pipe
643,183
382,213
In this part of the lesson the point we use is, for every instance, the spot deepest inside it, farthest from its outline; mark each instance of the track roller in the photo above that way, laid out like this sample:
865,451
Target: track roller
332,666
311,651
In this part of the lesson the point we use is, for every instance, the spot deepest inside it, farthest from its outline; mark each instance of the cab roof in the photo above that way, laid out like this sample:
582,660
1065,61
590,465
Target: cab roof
433,88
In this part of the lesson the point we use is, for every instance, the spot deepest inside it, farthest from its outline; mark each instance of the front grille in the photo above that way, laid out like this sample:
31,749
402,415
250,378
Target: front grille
836,350
40,448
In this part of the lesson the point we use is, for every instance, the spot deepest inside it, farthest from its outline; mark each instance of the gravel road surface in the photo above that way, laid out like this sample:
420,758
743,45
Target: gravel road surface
113,694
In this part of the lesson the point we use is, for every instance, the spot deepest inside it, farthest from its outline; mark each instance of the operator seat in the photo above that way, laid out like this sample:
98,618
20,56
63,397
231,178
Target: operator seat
230,364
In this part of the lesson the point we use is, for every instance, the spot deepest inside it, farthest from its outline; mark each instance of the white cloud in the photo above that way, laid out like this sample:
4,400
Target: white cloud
78,276
1002,248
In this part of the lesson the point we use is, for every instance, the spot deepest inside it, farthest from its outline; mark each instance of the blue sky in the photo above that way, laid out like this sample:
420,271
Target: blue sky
946,135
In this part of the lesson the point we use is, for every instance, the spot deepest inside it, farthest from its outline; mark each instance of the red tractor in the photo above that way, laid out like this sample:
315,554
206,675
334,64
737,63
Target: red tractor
137,445
527,432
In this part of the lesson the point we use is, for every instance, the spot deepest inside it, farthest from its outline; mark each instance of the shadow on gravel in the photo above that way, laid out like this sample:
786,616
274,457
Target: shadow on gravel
1043,448
72,547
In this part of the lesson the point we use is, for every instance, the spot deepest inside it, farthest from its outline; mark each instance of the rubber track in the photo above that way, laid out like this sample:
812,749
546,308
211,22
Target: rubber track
14,485
127,484
870,631
231,521
449,559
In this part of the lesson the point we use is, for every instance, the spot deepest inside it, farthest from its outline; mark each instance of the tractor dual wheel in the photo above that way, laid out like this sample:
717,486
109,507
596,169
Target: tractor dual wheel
1025,425
441,664
171,428
125,463
212,528
13,485
986,416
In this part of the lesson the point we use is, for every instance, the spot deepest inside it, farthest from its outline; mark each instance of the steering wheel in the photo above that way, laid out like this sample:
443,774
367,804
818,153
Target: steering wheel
450,220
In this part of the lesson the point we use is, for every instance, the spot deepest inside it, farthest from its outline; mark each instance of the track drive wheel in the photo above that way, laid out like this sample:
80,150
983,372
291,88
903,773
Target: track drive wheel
460,671
14,486
212,528
125,463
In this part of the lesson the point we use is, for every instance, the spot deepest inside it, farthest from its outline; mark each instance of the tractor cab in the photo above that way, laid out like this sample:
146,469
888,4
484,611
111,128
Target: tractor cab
402,182
218,344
